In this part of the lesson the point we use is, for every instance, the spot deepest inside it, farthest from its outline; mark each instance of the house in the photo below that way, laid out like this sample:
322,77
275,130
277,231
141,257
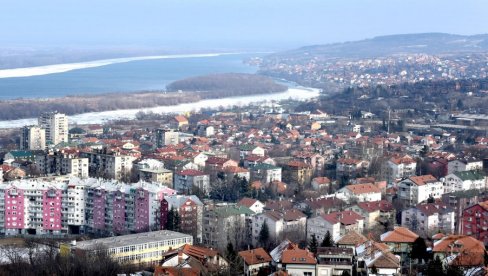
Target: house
400,167
281,224
375,258
255,261
224,224
202,259
474,221
336,223
461,165
245,150
323,205
400,240
334,260
416,189
351,239
187,181
321,183
214,165
460,251
297,172
190,210
361,192
349,168
265,173
464,180
427,218
159,175
299,262
373,212
179,121
253,204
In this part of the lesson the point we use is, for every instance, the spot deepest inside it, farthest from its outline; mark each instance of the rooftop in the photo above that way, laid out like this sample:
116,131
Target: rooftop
133,239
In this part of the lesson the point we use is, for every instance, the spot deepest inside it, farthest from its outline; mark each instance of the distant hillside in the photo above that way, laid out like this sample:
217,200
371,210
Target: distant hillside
429,43
231,84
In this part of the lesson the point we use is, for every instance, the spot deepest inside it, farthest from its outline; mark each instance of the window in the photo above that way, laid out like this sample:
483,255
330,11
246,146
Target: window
307,273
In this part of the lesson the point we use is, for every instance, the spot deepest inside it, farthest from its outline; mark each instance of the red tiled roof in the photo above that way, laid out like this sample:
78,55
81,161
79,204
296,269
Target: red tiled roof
298,256
255,256
363,188
191,172
399,235
423,179
344,217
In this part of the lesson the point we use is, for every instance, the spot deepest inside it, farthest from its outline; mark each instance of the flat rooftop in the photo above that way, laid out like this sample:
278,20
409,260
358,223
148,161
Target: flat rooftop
133,239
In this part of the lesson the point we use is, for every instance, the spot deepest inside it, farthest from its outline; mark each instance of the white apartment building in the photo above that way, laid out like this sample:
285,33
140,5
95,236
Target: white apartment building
33,138
417,189
429,218
108,165
401,167
462,165
56,126
464,180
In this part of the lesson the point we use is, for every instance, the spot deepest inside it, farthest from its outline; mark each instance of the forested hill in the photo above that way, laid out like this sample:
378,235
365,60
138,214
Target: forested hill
428,43
230,84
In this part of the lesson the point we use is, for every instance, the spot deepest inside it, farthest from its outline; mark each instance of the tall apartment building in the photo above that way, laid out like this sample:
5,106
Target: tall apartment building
62,163
166,137
190,210
32,138
56,126
76,206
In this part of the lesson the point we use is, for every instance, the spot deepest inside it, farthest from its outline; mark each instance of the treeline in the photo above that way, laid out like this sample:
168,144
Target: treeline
208,87
424,96
230,84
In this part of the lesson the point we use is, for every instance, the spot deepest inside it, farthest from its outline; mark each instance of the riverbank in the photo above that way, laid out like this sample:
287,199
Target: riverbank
296,93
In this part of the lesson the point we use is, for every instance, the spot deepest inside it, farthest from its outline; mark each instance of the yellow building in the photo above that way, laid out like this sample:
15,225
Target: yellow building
132,249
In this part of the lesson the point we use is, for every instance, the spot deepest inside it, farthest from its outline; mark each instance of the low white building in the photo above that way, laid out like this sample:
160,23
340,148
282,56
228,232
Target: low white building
462,165
464,180
280,224
401,167
361,192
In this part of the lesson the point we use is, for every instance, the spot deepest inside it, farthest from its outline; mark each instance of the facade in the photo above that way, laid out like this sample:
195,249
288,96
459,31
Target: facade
160,176
62,163
361,192
349,168
399,240
428,218
165,137
108,165
299,262
186,180
56,126
474,221
297,172
146,248
336,223
334,260
398,168
190,210
78,206
283,224
33,138
265,173
254,261
465,180
462,165
417,189
224,224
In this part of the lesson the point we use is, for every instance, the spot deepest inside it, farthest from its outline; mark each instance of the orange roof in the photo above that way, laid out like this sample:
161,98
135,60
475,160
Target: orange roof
399,235
247,202
321,180
363,188
352,238
181,119
255,256
469,251
423,179
198,252
298,256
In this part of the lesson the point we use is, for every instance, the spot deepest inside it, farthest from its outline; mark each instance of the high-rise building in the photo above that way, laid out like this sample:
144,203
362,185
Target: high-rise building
56,126
166,137
33,138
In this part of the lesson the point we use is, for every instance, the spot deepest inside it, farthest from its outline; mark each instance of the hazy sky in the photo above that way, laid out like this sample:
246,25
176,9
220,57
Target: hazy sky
233,24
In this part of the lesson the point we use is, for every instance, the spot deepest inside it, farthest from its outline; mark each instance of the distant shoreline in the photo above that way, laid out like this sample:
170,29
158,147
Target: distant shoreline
297,93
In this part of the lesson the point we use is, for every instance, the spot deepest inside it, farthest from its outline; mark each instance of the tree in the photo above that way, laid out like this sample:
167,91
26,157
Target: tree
419,249
435,267
327,242
173,223
264,235
312,246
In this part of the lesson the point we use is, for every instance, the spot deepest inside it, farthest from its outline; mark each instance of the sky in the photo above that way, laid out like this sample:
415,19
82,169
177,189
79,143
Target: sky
228,24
